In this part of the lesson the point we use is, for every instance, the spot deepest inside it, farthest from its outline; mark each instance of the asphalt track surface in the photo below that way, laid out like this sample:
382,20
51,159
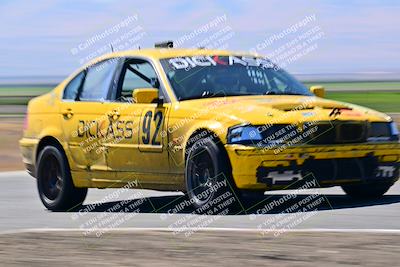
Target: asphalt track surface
20,208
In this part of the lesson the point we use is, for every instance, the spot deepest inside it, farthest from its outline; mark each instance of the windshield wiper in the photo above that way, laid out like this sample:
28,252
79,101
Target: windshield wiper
270,93
205,95
285,93
280,93
210,96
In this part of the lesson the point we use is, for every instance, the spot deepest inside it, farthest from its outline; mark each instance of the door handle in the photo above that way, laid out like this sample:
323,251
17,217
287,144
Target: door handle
114,114
68,113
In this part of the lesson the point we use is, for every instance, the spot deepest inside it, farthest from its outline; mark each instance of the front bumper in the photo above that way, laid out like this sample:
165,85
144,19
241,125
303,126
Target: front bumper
267,169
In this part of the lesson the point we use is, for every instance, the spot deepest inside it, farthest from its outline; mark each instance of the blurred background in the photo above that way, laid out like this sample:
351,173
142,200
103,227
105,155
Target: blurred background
350,47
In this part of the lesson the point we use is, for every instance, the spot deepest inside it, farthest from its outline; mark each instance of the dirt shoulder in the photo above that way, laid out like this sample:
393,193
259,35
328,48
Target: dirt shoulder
200,249
10,133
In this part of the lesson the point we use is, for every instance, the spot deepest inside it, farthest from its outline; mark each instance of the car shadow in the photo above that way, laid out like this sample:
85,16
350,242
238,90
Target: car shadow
269,204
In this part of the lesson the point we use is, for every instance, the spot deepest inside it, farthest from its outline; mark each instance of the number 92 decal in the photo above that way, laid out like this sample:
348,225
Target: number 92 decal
148,118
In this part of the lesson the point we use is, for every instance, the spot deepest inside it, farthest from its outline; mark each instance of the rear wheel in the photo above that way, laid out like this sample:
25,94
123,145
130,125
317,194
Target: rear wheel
367,191
56,189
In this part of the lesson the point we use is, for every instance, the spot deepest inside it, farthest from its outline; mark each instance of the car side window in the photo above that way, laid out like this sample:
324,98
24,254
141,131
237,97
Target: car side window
72,89
98,81
137,74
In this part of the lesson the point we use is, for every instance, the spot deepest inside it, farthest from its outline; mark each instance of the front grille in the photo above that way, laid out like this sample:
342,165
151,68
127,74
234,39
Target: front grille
379,131
321,132
325,133
339,132
352,132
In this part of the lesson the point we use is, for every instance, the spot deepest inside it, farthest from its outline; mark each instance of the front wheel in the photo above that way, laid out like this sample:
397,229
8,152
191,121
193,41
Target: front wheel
56,189
367,191
207,176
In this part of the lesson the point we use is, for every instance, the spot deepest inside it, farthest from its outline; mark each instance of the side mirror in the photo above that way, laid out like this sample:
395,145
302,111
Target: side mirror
145,95
318,90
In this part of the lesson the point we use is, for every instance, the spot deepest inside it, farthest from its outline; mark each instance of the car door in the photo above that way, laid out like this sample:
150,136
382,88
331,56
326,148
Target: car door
142,149
85,113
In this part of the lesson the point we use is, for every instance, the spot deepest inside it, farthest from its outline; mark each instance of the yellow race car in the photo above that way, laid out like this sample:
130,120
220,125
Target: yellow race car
201,122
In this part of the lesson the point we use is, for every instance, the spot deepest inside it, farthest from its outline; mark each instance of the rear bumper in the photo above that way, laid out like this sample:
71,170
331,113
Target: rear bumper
266,169
28,150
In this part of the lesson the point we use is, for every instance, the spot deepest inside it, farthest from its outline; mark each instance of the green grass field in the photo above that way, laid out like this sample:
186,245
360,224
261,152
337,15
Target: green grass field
358,86
20,95
382,96
385,101
23,91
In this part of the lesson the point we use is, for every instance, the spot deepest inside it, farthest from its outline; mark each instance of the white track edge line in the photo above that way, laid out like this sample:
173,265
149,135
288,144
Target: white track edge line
212,229
14,172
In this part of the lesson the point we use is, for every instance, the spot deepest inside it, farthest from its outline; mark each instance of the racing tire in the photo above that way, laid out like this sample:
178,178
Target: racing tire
207,167
367,191
56,189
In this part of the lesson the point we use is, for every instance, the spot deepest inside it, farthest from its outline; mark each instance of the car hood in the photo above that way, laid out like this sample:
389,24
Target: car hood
273,108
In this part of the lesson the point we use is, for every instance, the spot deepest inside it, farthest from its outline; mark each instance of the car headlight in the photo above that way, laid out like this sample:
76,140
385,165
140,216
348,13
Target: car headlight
394,131
243,134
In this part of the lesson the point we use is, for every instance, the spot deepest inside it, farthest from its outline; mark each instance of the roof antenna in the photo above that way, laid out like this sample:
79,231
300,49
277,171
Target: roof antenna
112,48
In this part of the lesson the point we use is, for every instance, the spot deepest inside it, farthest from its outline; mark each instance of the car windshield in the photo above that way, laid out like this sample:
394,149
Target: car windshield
213,76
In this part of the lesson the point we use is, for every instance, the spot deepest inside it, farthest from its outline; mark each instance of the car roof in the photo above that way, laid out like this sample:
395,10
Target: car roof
159,53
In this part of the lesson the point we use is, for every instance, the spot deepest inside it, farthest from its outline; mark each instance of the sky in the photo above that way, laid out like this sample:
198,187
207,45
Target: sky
55,37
